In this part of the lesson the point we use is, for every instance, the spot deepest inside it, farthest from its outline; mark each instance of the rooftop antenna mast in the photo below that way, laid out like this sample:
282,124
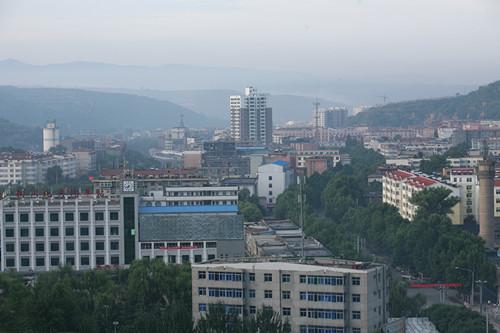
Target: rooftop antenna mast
316,118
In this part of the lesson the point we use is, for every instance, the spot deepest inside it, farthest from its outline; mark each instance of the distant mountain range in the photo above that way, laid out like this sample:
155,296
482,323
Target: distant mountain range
82,110
215,103
483,103
188,78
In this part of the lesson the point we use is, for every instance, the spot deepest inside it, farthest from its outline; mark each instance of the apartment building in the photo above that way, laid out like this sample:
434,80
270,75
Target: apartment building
272,180
190,224
466,179
464,162
398,187
332,156
43,233
251,118
321,295
31,168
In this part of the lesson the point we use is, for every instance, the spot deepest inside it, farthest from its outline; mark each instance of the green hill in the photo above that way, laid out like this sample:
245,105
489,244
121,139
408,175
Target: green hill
83,110
483,103
20,137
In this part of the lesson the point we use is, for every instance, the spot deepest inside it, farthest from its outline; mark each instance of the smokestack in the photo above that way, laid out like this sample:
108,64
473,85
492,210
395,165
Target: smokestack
486,174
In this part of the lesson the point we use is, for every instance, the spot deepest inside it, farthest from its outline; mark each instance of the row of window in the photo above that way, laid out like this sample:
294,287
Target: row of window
54,217
325,329
175,245
322,313
54,231
285,278
55,261
69,246
322,297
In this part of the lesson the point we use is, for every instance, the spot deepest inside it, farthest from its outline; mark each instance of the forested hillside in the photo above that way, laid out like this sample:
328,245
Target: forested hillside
483,103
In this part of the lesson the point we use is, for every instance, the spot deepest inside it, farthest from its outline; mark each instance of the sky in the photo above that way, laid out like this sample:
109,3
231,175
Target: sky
438,41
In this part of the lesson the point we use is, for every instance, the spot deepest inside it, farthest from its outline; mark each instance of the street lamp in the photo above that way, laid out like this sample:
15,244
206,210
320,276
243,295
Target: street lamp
472,287
115,324
482,283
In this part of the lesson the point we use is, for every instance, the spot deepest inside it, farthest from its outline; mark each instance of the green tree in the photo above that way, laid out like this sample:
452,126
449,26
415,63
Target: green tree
400,305
434,201
456,319
250,211
54,175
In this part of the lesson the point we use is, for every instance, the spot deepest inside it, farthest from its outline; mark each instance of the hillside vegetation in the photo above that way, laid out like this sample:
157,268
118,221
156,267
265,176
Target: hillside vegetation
76,109
483,103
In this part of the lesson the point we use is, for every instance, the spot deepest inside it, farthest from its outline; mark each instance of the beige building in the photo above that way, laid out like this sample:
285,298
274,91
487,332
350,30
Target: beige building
398,187
324,295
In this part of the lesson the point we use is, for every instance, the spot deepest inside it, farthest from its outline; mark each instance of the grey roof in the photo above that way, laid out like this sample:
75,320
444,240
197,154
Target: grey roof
167,227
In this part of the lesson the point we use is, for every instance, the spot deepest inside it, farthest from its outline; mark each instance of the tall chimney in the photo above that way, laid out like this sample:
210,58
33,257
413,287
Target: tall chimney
486,174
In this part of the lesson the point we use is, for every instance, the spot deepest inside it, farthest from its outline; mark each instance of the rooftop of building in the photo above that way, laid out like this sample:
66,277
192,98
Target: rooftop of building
290,264
147,173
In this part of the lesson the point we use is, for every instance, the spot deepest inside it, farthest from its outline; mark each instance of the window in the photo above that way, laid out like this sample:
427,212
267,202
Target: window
113,216
99,216
25,232
54,232
114,245
9,247
211,245
303,312
285,278
270,185
84,231
69,217
356,298
84,246
115,260
251,276
252,309
202,307
270,192
70,246
268,294
224,276
9,217
25,262
99,231
251,293
302,279
24,217
99,260
202,291
70,261
356,315
286,312
54,217
211,257
39,232
268,277
54,246
40,261
70,231
225,292
84,261
114,231
285,294
40,247
356,281
202,275
10,262
25,247
146,246
356,330
172,259
54,261
185,258
197,258
84,217
99,246
270,178
39,217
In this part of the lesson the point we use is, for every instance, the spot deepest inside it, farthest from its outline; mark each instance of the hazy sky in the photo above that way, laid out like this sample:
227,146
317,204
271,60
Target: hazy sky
411,40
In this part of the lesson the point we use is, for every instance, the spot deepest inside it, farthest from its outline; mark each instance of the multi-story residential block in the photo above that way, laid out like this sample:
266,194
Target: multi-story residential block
190,224
466,179
43,233
398,187
272,180
321,295
85,161
31,168
464,162
221,159
251,118
331,117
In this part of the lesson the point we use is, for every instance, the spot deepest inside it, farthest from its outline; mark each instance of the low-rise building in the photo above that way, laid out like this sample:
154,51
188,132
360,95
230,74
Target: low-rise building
85,161
318,295
398,187
272,180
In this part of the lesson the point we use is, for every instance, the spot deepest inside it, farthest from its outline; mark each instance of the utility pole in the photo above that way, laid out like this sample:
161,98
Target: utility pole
482,283
301,199
472,283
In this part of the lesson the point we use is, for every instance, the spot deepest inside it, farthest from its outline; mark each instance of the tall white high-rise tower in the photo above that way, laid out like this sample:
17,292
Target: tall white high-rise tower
251,118
50,136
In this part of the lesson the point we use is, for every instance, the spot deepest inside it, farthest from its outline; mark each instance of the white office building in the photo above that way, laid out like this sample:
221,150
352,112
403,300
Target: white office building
50,136
272,180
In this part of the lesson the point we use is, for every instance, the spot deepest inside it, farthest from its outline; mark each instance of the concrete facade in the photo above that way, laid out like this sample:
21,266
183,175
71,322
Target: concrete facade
319,296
